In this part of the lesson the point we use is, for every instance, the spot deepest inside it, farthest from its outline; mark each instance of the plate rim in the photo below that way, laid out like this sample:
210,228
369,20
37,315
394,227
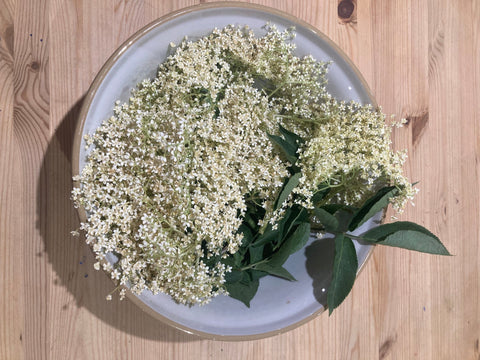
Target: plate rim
98,80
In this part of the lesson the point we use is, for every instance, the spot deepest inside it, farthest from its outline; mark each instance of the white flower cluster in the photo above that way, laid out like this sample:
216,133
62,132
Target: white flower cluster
356,156
168,176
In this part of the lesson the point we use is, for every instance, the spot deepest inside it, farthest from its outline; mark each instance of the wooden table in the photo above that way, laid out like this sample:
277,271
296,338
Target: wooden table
422,62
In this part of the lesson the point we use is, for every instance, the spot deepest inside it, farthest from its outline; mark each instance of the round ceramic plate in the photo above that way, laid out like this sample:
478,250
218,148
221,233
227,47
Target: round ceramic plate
279,305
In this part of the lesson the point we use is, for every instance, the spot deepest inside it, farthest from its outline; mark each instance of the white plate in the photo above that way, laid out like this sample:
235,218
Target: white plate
279,305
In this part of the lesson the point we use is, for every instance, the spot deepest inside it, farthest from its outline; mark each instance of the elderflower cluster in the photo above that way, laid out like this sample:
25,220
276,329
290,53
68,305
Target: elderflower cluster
168,176
350,152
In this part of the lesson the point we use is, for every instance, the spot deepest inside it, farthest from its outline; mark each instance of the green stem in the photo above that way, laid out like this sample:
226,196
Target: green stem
355,237
253,265
301,119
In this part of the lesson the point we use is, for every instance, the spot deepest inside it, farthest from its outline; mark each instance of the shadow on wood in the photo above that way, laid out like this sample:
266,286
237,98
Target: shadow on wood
71,258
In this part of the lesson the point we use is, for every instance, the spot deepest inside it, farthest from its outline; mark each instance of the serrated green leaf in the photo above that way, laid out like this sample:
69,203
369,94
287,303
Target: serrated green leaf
277,270
372,206
329,221
289,150
345,268
243,290
407,235
291,184
291,244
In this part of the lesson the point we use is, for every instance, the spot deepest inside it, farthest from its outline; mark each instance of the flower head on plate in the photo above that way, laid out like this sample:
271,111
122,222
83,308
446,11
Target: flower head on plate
222,165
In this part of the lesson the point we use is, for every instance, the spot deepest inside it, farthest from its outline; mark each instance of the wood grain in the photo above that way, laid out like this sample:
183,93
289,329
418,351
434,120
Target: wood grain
422,61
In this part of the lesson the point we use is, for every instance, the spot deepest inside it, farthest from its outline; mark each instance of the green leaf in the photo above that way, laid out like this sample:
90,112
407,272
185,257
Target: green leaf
243,290
289,144
256,274
345,268
319,195
256,253
299,215
329,221
276,270
293,216
254,213
291,137
237,258
299,237
372,206
247,234
211,261
233,276
291,184
289,150
249,220
262,83
407,235
230,261
334,208
292,244
270,235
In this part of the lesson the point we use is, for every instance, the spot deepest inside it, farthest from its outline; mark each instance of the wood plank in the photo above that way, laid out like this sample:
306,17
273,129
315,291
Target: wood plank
401,87
31,129
11,242
454,91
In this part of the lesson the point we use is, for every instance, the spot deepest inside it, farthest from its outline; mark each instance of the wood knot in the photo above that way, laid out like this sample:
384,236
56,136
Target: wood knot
345,9
7,39
418,123
386,347
35,66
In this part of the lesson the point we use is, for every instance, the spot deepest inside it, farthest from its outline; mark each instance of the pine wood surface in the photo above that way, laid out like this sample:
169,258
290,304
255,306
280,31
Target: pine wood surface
422,62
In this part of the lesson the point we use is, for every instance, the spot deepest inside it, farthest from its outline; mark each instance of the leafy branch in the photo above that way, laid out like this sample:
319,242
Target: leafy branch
265,249
402,234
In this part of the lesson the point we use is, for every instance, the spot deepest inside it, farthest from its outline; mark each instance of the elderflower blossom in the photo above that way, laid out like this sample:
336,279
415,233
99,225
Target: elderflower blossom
169,174
356,156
